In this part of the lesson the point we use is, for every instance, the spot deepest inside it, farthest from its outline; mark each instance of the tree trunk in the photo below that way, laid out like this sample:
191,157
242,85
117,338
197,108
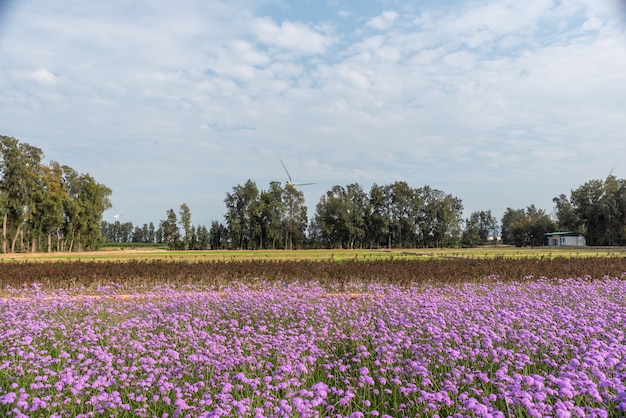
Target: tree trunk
17,234
4,234
60,242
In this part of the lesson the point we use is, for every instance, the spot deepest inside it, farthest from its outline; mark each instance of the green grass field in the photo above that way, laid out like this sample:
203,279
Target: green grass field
333,254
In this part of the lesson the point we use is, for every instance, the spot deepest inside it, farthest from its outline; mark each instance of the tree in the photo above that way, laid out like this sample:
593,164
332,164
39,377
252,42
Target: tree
203,241
87,202
331,218
20,183
171,234
151,238
614,211
439,217
404,204
50,203
601,209
471,237
93,200
137,234
185,224
447,220
540,224
587,200
566,215
528,226
295,221
268,212
341,216
479,228
217,236
357,202
238,214
510,220
377,217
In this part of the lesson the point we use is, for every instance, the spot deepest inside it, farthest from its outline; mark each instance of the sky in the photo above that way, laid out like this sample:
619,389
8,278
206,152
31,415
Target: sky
501,103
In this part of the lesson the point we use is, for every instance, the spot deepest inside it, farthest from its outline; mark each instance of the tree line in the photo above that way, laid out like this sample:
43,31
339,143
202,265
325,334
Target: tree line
389,216
47,207
53,208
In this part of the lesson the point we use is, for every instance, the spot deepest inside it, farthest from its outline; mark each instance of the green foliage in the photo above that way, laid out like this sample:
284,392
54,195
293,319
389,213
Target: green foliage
47,207
597,208
185,223
171,234
479,228
239,211
526,227
393,216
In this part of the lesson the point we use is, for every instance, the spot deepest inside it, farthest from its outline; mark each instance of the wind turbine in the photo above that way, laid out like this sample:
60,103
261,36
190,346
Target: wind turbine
291,189
117,215
290,182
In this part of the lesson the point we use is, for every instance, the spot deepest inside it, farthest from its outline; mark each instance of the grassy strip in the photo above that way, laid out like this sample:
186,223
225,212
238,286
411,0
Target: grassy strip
120,254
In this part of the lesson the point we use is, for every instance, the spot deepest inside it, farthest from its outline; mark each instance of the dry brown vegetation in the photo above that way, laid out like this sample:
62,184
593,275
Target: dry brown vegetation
137,273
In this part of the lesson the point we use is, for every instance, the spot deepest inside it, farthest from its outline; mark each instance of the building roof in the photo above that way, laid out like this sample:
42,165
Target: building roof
562,233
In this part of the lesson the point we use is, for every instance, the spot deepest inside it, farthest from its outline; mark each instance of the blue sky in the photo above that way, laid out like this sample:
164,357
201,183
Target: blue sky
500,103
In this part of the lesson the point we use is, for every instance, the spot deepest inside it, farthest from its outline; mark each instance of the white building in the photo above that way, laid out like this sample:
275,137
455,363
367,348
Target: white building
565,239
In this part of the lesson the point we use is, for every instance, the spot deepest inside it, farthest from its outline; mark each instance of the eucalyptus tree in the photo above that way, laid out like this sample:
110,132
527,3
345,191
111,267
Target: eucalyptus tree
510,226
218,236
238,213
185,223
331,218
151,233
171,233
20,183
269,212
395,215
4,213
203,238
601,209
540,224
566,215
588,201
123,231
441,218
471,237
137,235
613,208
295,220
42,201
523,227
193,239
52,198
145,234
340,218
377,217
357,205
479,228
92,199
403,206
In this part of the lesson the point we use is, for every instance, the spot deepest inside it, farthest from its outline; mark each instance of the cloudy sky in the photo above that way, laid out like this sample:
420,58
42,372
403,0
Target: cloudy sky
501,103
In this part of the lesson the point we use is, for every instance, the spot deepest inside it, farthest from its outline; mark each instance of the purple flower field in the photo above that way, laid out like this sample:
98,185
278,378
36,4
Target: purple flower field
532,348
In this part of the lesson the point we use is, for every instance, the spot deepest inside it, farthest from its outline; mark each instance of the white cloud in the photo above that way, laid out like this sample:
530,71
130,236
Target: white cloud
480,92
247,53
384,21
294,36
43,76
